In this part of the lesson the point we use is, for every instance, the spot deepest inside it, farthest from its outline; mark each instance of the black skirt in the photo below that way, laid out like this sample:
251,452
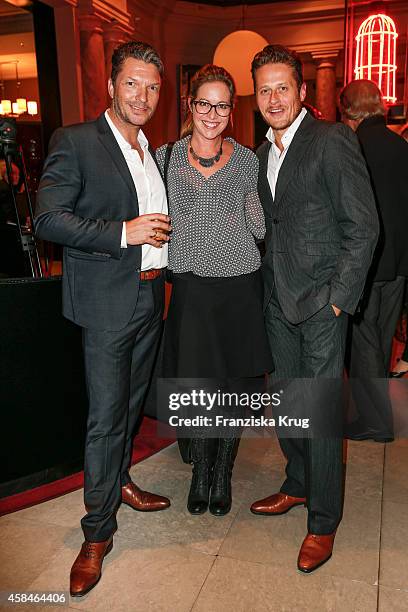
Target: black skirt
215,328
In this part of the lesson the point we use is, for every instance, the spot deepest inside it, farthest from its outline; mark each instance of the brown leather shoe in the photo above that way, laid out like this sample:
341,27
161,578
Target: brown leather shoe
143,500
279,503
315,550
86,571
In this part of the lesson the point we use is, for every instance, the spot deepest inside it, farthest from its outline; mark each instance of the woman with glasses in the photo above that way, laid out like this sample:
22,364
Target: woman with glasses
214,327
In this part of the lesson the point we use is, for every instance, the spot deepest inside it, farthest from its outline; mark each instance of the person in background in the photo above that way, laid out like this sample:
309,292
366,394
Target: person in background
101,196
401,368
215,326
321,230
7,211
11,251
386,154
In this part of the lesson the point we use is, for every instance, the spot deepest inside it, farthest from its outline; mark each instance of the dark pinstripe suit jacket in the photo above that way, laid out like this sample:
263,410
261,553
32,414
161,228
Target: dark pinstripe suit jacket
322,227
85,194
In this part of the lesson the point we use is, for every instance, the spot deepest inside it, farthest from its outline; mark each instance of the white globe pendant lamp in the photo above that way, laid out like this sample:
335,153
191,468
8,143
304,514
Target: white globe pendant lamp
235,53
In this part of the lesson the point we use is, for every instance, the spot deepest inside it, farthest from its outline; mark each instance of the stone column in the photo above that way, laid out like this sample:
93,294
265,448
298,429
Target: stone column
326,86
113,35
94,84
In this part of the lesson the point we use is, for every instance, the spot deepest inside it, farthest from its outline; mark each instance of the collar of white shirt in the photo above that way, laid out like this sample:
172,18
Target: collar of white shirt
121,140
290,132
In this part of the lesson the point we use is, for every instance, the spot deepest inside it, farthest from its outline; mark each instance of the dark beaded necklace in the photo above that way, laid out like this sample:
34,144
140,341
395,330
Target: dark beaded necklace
206,162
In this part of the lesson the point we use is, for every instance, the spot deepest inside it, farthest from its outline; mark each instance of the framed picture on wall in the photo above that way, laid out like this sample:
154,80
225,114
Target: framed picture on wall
185,74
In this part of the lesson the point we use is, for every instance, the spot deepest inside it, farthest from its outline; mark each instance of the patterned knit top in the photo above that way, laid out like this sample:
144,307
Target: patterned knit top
214,220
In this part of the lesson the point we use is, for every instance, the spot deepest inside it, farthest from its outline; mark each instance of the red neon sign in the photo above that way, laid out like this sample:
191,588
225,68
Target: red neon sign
376,54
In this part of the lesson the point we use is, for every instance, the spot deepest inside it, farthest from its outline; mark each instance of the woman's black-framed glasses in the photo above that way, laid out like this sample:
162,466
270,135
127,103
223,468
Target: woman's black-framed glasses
203,108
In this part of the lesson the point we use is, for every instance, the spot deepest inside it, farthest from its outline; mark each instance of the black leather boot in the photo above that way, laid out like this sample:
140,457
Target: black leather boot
221,499
197,502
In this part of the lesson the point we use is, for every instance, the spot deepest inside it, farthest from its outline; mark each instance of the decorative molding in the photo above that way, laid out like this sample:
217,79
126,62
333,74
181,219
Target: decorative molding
90,23
113,32
294,13
327,53
61,3
320,50
328,62
176,13
15,23
107,12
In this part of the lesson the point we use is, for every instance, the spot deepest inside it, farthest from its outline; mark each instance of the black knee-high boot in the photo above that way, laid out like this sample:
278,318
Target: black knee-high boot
221,499
201,477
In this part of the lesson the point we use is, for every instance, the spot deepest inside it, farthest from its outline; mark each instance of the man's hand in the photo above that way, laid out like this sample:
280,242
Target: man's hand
337,311
150,229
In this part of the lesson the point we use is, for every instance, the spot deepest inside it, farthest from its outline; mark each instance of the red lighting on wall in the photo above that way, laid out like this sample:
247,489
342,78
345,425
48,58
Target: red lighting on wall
376,54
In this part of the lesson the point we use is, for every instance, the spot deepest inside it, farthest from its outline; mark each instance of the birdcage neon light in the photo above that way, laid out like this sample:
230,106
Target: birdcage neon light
376,54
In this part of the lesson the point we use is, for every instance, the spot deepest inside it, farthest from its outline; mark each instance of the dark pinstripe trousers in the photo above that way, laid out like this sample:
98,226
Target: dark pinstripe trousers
118,366
311,349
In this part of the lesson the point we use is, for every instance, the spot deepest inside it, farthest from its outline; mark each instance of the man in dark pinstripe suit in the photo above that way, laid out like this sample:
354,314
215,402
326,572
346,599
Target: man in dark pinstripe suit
322,229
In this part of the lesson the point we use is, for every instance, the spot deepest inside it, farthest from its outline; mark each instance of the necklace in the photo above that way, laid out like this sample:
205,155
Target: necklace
206,162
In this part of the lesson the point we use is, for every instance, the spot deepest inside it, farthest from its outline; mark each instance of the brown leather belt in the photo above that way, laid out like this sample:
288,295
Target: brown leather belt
150,274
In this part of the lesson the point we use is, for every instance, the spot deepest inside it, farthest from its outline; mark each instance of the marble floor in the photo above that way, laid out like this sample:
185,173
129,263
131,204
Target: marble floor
173,562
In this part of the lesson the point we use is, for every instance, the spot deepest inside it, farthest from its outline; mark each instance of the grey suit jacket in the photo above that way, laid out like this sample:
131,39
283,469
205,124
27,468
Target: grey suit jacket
85,194
322,227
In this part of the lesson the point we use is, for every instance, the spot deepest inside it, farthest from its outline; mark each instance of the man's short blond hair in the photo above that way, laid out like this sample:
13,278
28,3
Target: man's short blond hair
360,99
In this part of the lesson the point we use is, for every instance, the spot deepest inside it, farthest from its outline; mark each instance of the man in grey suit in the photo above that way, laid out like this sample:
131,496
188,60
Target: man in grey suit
321,233
102,197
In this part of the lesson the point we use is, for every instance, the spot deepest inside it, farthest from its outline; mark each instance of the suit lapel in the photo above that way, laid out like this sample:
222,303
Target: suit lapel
109,142
264,187
293,158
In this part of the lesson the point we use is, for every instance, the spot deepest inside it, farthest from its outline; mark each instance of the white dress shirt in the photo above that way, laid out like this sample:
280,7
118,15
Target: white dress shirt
151,193
276,156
